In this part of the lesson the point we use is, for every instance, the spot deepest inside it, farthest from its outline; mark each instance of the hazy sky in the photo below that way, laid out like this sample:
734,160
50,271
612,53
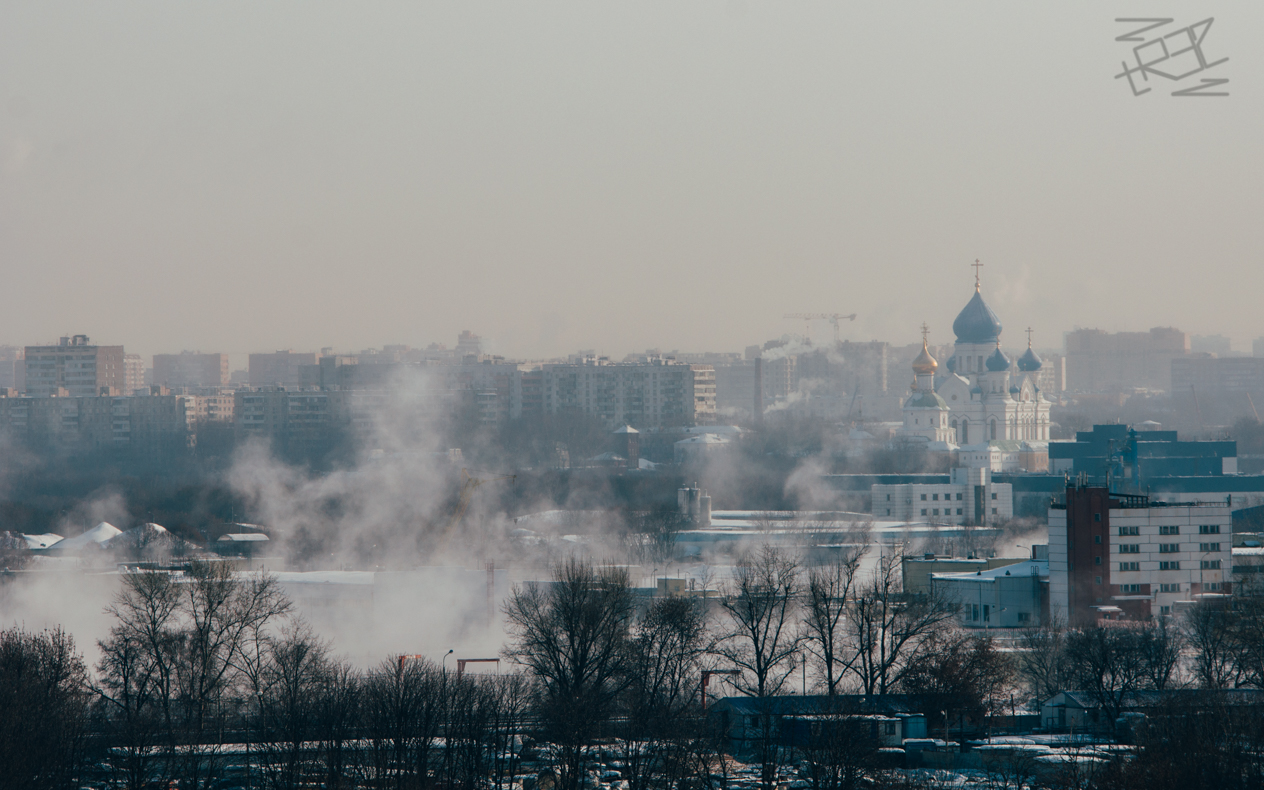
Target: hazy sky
251,176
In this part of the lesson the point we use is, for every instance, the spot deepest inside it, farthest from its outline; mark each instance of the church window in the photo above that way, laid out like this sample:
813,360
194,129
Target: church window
993,429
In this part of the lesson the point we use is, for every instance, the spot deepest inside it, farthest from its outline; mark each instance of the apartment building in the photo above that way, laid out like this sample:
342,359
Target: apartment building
1125,557
651,394
157,425
191,370
303,421
75,368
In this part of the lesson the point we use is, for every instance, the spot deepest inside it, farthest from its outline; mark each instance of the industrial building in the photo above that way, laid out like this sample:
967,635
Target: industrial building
1118,556
970,497
1129,456
1010,596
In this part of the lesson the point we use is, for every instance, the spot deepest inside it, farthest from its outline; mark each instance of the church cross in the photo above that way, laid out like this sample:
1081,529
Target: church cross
976,266
925,332
1028,337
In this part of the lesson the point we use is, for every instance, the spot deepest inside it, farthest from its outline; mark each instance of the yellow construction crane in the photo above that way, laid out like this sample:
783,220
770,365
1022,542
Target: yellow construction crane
833,318
468,485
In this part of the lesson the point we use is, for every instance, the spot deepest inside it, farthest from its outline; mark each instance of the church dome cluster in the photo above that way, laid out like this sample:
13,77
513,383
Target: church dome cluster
980,394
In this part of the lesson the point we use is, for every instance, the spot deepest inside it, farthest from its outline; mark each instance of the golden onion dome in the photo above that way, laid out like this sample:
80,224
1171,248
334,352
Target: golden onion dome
925,363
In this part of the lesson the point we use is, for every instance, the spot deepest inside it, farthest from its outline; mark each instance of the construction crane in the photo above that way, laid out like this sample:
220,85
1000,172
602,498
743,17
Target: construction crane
461,662
706,679
469,484
833,318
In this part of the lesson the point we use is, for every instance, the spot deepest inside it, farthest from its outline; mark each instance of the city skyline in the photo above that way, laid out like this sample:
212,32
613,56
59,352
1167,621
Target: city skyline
568,177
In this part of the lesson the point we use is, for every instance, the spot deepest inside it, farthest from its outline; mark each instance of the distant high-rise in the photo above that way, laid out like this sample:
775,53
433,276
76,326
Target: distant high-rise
468,344
1098,361
281,368
133,374
190,369
75,367
10,367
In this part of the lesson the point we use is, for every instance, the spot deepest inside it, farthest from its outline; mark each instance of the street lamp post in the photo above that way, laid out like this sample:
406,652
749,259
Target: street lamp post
443,663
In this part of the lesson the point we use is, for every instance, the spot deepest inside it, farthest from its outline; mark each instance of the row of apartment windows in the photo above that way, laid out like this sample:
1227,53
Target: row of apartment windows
947,512
1203,529
1175,565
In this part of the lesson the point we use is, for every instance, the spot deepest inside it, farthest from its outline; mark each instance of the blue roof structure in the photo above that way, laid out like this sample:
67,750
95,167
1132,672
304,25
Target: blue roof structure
977,323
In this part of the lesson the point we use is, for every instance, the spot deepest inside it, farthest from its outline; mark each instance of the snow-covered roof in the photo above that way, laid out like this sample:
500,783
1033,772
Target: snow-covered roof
1028,568
41,541
705,438
246,537
94,537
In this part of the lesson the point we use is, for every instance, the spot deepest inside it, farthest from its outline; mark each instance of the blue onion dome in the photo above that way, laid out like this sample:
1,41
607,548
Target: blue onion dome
977,323
951,364
998,362
1029,362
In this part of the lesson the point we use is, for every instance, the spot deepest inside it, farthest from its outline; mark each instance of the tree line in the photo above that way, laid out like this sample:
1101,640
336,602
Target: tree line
208,679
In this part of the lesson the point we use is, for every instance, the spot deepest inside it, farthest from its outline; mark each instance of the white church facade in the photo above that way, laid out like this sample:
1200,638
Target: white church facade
981,397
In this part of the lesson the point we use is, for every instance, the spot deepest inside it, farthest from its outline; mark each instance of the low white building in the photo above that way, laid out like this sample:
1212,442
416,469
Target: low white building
970,497
1007,597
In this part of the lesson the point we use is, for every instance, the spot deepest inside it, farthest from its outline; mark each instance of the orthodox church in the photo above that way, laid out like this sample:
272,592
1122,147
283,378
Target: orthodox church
982,395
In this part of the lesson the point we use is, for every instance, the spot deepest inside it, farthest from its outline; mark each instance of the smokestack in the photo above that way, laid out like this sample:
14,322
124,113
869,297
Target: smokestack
491,593
759,391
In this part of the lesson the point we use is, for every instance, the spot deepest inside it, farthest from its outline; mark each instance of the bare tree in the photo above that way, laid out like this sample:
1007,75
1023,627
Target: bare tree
402,716
44,700
338,720
1107,664
1212,632
839,749
889,631
179,648
660,704
572,635
287,696
968,671
828,597
1041,660
219,612
761,638
1161,646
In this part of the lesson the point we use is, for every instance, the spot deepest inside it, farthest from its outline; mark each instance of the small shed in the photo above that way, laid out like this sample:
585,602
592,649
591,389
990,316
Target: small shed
241,544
